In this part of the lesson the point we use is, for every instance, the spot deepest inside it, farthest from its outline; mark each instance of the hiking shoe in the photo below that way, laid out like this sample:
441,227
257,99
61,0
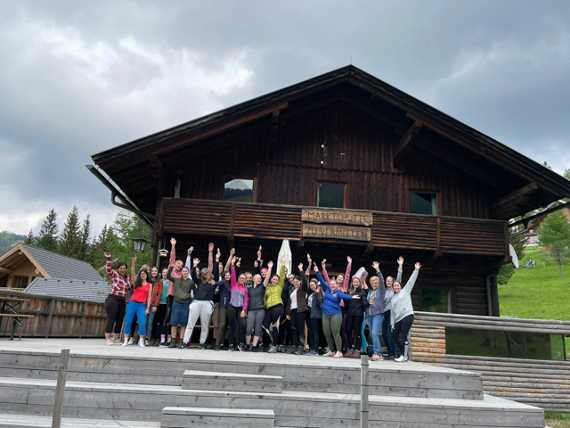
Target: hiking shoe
272,349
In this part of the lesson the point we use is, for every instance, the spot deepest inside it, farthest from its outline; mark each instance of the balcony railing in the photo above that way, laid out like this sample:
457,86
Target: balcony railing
388,229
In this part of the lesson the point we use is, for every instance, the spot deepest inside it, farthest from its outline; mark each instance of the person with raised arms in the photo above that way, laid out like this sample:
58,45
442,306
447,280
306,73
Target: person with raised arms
332,313
402,313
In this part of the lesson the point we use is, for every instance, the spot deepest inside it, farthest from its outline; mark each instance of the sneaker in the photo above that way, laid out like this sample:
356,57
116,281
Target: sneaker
109,342
131,341
126,342
181,345
376,357
203,346
172,344
338,354
272,349
400,359
164,344
239,348
298,351
142,343
328,354
216,347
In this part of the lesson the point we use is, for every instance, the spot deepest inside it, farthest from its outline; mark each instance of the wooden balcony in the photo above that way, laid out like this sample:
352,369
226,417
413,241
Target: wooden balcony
377,228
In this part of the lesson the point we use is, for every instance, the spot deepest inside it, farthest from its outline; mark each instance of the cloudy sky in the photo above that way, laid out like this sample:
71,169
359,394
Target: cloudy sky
80,77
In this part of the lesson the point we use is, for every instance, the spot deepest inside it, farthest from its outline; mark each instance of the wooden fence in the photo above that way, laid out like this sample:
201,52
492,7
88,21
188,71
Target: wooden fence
543,383
56,317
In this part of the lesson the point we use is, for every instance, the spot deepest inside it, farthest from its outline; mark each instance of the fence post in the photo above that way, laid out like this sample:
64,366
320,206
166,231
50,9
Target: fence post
60,389
364,391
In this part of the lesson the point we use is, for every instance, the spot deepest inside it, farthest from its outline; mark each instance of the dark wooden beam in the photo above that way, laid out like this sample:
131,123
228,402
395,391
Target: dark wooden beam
407,142
513,197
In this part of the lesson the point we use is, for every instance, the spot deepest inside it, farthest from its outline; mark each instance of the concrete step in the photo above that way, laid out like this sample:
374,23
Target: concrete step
202,380
300,373
190,417
34,421
292,408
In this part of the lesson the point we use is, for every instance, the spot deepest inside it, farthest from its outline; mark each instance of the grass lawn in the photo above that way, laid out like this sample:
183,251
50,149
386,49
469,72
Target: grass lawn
540,293
557,420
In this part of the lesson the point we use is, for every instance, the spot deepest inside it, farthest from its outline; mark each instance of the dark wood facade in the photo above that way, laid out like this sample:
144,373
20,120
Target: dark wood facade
343,127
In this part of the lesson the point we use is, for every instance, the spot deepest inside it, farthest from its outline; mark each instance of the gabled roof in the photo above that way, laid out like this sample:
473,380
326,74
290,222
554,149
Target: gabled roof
90,291
410,109
50,264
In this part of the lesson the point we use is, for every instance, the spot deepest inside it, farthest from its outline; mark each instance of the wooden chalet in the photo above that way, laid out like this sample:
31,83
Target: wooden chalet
340,164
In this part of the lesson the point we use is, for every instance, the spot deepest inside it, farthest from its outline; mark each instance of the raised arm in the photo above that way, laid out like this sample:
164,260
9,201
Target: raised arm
233,272
109,266
258,263
282,273
376,267
346,279
320,278
412,281
216,266
172,252
228,263
400,269
268,275
133,268
309,264
211,257
304,279
194,270
325,274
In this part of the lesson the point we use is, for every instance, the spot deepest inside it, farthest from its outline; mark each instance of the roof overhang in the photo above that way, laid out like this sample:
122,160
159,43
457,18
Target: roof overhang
535,186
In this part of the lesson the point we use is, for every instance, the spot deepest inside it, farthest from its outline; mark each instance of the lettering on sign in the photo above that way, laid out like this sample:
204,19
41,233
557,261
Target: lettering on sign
355,218
335,231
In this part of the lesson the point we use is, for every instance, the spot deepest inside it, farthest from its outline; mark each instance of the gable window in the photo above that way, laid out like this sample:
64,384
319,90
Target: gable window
239,190
331,195
423,203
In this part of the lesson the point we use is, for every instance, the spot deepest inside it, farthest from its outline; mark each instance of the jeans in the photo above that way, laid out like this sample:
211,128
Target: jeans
387,334
375,325
138,310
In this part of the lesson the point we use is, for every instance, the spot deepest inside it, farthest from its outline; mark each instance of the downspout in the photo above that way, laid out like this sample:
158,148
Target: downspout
118,198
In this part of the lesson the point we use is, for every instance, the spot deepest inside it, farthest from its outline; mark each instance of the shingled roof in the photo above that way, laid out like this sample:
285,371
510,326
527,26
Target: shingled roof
90,291
53,265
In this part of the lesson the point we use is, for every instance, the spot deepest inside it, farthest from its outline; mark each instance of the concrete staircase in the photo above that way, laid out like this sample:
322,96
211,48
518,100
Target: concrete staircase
173,388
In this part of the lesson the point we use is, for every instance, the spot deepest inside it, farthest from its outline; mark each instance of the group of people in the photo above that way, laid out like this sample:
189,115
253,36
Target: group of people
261,309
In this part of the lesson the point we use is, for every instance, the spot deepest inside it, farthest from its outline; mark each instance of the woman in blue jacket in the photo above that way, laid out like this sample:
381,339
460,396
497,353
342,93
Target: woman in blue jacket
332,314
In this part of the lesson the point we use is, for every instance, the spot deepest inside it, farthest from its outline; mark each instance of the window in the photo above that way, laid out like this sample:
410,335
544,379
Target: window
435,300
20,281
331,195
239,190
423,203
490,343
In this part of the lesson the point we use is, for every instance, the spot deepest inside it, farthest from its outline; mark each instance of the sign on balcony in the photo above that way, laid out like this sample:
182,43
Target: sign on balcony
336,224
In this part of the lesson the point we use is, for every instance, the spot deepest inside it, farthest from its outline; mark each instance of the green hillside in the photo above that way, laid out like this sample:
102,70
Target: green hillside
540,292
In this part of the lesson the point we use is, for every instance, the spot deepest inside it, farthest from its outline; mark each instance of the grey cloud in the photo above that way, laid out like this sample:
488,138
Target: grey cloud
76,80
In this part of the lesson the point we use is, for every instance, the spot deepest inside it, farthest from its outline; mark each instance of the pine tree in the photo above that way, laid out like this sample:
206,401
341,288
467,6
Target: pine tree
47,238
554,235
29,238
85,235
567,174
70,243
